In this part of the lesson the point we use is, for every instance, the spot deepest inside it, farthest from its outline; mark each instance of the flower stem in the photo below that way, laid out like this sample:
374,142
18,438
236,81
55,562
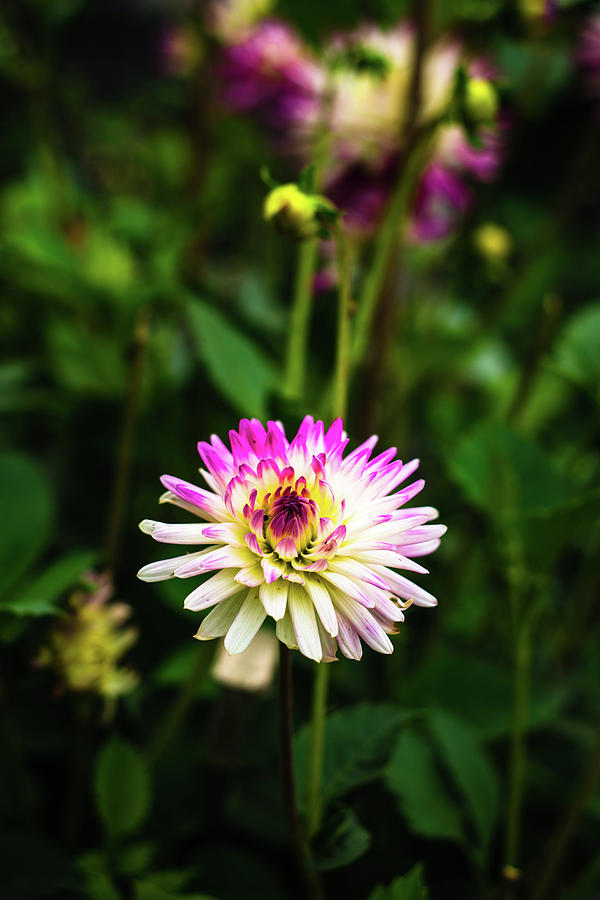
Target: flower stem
286,730
414,149
559,841
141,333
522,677
295,373
170,724
342,360
314,778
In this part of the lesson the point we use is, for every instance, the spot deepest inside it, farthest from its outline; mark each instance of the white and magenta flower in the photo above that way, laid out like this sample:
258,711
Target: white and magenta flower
302,534
272,74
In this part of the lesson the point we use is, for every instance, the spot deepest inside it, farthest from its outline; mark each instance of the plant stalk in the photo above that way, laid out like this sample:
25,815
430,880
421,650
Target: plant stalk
559,842
170,724
298,332
342,360
522,678
139,343
314,779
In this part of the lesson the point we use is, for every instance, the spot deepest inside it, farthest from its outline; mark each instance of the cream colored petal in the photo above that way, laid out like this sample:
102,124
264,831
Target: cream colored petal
274,598
246,624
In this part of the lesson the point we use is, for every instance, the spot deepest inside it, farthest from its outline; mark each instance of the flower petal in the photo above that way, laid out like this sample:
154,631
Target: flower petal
165,568
247,622
304,620
219,587
322,602
274,598
219,620
285,632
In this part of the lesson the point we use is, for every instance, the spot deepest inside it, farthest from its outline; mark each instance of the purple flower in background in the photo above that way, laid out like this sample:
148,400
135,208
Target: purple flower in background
271,73
442,197
362,191
588,52
482,160
298,532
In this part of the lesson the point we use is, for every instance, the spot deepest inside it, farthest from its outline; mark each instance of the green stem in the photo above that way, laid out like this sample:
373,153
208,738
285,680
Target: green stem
139,344
295,374
342,360
566,829
522,677
286,747
314,778
171,723
386,243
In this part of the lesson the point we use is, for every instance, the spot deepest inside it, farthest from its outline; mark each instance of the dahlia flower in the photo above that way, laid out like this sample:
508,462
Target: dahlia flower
271,73
302,534
368,104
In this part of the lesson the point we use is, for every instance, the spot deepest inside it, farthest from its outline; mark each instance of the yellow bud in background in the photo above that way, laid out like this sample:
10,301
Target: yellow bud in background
493,242
292,211
481,101
297,213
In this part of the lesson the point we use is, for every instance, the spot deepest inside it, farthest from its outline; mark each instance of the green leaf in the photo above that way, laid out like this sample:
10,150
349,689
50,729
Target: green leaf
413,777
40,597
408,887
577,355
358,741
498,470
122,787
98,883
342,840
235,364
26,512
136,858
470,769
87,360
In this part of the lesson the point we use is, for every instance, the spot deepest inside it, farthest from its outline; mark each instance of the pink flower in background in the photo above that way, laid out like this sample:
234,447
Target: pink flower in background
271,73
302,534
443,196
588,52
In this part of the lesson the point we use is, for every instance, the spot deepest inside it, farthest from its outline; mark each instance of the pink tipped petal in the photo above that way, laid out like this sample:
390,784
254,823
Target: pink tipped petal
422,549
252,543
286,549
348,586
363,622
222,558
206,501
405,589
215,589
246,624
178,534
165,568
348,640
272,572
251,576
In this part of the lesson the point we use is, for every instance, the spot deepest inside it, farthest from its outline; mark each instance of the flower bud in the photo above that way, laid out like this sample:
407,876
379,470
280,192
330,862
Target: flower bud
481,101
493,242
297,213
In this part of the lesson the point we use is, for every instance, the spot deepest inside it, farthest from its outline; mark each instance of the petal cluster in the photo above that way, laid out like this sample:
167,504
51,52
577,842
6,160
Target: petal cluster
299,532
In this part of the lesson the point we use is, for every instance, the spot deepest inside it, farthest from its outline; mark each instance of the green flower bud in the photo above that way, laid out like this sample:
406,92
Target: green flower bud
296,213
481,101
